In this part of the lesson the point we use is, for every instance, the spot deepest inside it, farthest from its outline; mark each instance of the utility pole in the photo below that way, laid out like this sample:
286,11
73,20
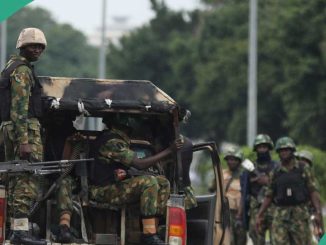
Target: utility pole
3,49
102,53
252,75
96,123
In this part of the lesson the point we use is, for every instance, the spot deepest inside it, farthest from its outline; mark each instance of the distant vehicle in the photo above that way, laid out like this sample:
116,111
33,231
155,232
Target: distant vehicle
156,122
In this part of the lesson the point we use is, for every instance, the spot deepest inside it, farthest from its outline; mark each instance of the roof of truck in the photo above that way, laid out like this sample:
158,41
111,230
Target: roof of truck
99,94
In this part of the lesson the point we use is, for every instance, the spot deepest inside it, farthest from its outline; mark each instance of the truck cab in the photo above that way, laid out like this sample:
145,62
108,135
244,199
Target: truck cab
78,105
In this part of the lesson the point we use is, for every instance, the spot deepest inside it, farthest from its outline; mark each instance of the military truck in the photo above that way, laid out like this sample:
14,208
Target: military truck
78,105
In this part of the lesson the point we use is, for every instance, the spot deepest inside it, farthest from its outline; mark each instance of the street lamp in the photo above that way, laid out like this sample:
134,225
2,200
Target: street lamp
3,48
102,51
252,75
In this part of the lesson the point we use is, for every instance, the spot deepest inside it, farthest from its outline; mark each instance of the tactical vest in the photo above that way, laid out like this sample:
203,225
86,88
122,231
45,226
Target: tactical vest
35,103
101,173
290,188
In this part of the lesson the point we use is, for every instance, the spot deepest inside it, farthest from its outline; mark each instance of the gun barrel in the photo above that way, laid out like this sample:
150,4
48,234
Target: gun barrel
47,167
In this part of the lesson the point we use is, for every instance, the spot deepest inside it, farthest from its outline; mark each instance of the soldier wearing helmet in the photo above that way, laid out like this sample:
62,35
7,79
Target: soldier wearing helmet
231,176
111,184
20,106
305,157
290,189
253,187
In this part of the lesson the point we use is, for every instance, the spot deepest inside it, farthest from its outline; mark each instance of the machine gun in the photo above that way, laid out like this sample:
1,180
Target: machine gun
39,168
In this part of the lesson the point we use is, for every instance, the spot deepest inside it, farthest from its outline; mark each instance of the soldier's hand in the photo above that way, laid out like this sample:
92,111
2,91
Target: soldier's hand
263,179
259,221
177,144
317,219
24,151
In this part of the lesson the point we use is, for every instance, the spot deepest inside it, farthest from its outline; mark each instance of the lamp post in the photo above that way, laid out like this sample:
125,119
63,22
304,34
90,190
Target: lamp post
3,48
252,75
102,51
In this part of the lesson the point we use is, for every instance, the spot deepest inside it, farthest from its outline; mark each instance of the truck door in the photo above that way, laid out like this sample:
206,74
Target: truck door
207,224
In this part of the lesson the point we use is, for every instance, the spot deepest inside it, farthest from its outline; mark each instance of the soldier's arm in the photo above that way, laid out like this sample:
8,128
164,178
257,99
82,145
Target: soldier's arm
314,194
119,151
268,197
20,91
150,161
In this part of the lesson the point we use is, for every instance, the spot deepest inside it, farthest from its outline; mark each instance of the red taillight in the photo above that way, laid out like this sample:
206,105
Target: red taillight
2,213
176,224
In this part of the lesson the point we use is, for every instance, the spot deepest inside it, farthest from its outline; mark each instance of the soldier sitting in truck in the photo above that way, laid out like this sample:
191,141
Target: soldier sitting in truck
111,184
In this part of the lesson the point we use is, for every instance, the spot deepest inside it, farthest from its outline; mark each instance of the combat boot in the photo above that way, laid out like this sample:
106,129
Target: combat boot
64,234
152,239
24,238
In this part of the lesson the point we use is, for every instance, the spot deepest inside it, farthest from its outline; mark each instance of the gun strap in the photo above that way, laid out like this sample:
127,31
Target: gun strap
228,184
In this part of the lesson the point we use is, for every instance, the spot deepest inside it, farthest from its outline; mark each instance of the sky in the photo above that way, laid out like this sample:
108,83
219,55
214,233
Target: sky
86,16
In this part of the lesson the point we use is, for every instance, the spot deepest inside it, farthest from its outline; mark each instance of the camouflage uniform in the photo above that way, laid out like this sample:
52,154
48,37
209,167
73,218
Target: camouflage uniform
151,191
255,203
291,223
64,196
26,188
253,192
22,130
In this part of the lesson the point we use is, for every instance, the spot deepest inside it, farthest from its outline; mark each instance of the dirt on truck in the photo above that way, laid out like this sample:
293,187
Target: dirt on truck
78,105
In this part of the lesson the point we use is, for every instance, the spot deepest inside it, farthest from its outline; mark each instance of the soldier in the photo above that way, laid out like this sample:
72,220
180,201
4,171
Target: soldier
20,95
110,183
20,104
234,157
305,158
253,188
290,188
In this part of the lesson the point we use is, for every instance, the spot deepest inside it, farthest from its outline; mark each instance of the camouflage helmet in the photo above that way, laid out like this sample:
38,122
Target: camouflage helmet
306,155
263,139
285,142
31,36
234,152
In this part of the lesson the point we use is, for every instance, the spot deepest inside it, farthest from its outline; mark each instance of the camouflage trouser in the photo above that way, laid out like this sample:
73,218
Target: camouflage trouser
64,196
190,198
23,192
238,233
152,192
12,145
291,225
25,188
259,238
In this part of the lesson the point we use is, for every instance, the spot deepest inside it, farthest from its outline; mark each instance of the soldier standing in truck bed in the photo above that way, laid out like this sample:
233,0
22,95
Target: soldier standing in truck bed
20,101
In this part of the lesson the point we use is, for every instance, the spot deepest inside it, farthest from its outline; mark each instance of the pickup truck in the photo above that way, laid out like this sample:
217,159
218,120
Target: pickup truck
79,104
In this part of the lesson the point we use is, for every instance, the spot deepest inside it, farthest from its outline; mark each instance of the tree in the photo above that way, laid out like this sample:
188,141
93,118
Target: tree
296,50
68,53
201,60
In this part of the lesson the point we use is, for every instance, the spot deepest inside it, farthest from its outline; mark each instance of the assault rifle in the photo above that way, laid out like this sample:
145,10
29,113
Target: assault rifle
39,168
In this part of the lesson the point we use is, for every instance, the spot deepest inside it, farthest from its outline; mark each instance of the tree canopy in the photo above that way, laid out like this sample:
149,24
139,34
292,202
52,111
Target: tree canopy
68,53
200,58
